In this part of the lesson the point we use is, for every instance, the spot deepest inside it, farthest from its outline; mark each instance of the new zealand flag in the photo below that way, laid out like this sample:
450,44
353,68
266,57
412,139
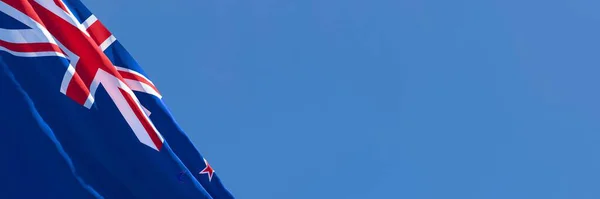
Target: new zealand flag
80,119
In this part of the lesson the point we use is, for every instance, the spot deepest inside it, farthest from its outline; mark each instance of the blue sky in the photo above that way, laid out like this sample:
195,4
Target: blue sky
379,99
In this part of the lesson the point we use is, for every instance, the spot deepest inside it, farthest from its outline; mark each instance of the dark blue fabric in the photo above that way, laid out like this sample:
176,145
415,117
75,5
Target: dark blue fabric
34,164
10,23
103,148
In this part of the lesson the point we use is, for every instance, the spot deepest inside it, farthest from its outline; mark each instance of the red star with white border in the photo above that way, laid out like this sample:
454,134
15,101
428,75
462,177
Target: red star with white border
208,170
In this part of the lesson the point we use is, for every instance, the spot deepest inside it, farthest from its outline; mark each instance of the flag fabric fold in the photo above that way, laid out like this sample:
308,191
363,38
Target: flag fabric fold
35,157
81,117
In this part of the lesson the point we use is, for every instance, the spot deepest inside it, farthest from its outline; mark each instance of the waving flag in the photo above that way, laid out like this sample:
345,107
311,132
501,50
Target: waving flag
78,108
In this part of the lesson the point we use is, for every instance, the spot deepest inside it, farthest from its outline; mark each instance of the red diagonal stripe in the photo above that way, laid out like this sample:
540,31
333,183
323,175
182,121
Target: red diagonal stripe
60,4
24,7
31,47
132,76
98,32
142,118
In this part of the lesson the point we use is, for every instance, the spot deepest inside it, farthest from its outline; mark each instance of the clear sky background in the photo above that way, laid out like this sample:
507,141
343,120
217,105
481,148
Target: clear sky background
419,99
